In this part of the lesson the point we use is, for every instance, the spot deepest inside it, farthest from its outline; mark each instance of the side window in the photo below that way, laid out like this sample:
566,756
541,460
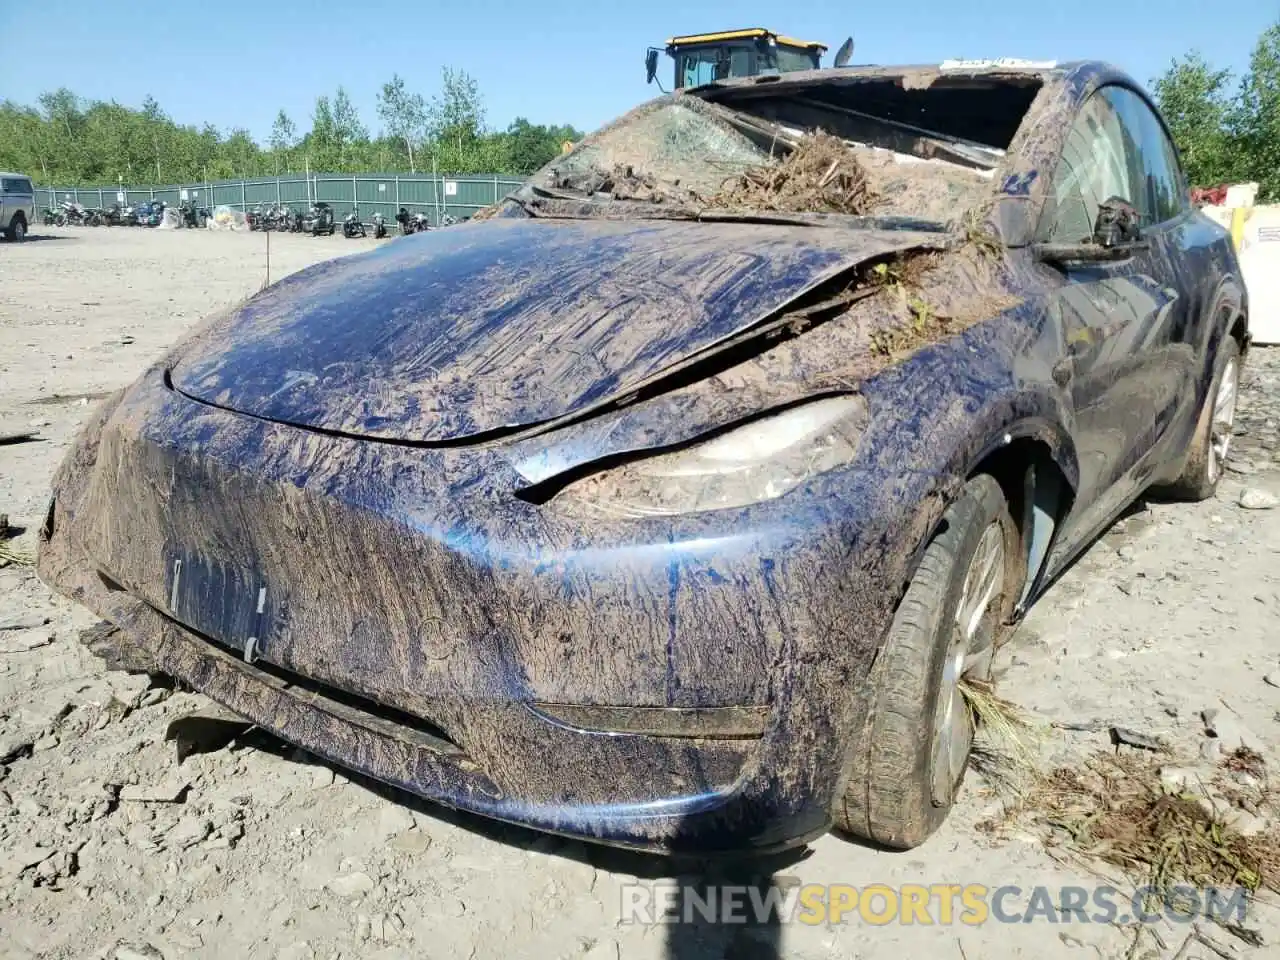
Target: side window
1098,162
1160,196
16,185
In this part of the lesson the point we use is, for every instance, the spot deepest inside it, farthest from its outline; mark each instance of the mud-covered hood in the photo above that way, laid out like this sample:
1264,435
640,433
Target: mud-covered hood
457,332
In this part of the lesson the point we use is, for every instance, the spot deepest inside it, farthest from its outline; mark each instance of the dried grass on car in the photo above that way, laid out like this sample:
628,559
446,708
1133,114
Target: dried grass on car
822,174
1006,742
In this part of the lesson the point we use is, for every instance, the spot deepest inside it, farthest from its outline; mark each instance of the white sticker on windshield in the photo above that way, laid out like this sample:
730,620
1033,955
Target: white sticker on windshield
1004,63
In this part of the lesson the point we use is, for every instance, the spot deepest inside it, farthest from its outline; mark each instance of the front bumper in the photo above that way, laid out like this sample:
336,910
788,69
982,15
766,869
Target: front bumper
404,638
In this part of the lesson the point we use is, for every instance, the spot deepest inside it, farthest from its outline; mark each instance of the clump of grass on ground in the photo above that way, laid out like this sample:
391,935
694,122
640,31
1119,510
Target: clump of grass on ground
11,554
9,551
1116,808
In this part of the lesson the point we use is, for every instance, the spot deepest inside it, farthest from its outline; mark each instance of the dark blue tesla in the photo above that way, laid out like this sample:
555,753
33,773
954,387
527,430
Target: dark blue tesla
642,516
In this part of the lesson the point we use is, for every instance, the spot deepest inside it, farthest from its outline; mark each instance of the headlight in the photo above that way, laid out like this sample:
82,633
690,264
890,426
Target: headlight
759,461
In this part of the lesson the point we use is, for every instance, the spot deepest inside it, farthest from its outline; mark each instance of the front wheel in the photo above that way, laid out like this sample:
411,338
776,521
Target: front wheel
1207,457
907,761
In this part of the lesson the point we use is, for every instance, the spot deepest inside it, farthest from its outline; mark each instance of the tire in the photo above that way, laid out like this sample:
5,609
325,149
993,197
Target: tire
17,229
1211,442
899,786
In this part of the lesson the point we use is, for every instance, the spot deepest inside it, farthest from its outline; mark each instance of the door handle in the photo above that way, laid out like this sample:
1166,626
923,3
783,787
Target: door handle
1062,372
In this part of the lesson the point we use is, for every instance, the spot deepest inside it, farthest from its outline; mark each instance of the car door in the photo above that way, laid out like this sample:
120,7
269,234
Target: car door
28,199
1126,360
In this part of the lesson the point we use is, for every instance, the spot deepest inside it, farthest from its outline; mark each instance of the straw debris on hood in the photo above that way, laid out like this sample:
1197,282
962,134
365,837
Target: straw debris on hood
822,174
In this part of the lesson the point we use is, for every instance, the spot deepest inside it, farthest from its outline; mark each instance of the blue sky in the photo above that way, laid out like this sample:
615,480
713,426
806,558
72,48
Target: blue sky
236,62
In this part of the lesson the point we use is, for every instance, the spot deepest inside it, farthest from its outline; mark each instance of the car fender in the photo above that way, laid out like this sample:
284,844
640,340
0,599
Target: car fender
1228,305
1037,421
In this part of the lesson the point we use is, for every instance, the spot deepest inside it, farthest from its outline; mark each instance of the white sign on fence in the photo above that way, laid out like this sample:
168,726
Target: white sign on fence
119,196
382,188
451,188
182,195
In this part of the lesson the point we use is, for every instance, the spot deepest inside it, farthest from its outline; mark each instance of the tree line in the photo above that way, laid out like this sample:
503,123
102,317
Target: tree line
68,140
1227,129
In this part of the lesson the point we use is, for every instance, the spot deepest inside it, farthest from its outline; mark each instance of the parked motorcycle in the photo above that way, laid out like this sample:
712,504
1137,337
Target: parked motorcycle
412,222
116,215
192,216
272,216
319,219
353,226
379,226
49,216
72,214
150,213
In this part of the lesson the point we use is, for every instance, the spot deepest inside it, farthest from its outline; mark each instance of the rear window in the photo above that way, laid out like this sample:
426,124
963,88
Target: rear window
15,185
985,110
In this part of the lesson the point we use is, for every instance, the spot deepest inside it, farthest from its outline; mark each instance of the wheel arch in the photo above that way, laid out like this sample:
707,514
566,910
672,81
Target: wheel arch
1034,461
1228,315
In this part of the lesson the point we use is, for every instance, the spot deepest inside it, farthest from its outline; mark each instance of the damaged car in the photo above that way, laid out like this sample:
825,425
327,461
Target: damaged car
677,502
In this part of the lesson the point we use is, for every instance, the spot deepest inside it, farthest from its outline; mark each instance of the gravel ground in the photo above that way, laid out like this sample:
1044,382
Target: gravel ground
111,848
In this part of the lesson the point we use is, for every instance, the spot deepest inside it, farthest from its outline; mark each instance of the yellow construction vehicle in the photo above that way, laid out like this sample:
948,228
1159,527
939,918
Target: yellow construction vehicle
706,57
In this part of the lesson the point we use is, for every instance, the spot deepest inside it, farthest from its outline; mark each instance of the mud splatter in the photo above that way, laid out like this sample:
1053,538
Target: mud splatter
623,182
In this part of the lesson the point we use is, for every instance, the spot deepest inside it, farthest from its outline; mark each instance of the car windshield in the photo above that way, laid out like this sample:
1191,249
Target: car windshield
684,150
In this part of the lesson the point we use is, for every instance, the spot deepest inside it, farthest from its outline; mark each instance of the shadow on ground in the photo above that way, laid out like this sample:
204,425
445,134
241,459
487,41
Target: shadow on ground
45,237
727,908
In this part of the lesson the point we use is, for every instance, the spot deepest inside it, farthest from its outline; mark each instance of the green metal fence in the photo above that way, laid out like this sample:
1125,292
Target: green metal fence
437,196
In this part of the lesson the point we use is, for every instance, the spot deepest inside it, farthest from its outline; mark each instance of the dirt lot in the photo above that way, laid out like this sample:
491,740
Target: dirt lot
110,848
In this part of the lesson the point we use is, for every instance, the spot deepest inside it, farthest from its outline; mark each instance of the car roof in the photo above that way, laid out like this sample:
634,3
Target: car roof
6,173
1091,72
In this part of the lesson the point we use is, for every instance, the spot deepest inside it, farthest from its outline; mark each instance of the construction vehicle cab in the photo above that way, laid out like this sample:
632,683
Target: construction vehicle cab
706,57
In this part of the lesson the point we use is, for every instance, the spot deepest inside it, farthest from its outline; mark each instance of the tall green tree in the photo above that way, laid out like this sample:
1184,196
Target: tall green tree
456,114
284,135
403,114
531,146
1193,98
1257,114
349,131
65,140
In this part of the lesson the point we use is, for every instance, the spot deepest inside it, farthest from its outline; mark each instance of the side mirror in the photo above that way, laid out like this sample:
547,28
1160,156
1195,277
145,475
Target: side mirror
1116,223
1116,236
651,65
844,54
1058,254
